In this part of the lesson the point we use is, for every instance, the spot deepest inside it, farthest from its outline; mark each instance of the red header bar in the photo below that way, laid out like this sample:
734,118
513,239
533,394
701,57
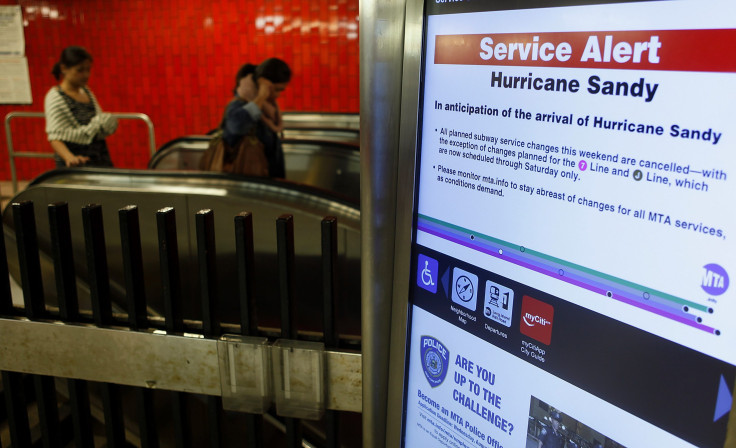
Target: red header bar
676,50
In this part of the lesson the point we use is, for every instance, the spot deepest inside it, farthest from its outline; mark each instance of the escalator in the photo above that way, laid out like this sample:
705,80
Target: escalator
331,165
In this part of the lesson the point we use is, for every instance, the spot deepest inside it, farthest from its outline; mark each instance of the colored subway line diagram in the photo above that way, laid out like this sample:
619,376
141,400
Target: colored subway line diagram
657,302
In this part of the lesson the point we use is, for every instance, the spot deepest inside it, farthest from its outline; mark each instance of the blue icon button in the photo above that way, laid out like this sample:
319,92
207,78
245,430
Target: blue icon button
427,270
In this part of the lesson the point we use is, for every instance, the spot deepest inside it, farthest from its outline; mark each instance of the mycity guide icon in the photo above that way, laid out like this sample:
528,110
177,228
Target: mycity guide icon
536,319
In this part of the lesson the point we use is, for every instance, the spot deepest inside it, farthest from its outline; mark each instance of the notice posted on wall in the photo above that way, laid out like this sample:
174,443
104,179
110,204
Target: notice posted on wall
15,81
574,189
12,40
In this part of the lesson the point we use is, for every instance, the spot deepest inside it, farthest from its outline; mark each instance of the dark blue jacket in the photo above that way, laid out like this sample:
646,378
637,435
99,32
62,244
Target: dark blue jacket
240,118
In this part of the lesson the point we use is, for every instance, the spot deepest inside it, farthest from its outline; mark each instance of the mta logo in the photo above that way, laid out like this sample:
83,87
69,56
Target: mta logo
715,279
435,360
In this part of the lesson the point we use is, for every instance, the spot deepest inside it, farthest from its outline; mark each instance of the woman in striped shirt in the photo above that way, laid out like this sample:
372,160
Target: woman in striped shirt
75,124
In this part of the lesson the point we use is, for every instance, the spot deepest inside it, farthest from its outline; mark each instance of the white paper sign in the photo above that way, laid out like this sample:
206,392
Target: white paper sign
15,82
12,42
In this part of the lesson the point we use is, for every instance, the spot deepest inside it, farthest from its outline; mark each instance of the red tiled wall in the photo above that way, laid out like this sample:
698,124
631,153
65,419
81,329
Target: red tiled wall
175,60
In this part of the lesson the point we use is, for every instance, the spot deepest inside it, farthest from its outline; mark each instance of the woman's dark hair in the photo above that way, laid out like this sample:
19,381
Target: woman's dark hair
273,69
244,71
70,57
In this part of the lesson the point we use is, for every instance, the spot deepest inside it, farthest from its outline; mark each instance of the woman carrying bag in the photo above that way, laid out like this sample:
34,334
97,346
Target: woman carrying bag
250,143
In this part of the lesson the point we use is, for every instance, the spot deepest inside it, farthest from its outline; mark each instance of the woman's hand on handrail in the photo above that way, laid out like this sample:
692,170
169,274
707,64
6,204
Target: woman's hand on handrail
67,156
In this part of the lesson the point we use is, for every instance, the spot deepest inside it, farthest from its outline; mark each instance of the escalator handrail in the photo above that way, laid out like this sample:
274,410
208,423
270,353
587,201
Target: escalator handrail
185,138
281,183
287,140
170,146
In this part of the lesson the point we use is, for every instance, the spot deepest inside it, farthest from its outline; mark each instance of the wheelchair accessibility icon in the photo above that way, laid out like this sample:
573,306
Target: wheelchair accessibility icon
427,269
427,275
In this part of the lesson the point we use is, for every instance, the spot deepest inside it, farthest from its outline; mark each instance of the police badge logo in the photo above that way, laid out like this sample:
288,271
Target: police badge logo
435,359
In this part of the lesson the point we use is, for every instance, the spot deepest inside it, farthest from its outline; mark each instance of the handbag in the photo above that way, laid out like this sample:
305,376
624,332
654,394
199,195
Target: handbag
250,158
213,156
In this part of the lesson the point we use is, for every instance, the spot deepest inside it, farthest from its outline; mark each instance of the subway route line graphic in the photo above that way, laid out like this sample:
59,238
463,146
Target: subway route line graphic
657,302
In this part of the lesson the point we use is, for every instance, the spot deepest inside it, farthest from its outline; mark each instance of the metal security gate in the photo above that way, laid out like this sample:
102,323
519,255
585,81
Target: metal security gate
102,377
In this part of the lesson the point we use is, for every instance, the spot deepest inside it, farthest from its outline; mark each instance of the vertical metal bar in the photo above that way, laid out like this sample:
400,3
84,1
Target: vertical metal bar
99,282
33,297
6,297
48,413
179,405
171,289
329,265
3,411
62,253
81,417
214,419
254,435
28,258
244,252
66,293
114,421
146,421
15,402
11,152
285,252
384,150
149,125
170,274
205,223
293,432
151,134
130,244
329,277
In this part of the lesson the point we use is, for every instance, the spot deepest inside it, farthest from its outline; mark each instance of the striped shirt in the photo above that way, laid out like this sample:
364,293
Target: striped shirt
61,123
82,112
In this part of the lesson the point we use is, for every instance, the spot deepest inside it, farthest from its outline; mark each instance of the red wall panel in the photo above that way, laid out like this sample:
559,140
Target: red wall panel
175,61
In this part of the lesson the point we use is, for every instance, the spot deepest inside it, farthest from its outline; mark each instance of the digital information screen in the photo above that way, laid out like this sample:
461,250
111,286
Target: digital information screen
575,227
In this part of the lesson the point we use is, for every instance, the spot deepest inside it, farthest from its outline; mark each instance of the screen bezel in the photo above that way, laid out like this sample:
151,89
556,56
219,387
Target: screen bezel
407,195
